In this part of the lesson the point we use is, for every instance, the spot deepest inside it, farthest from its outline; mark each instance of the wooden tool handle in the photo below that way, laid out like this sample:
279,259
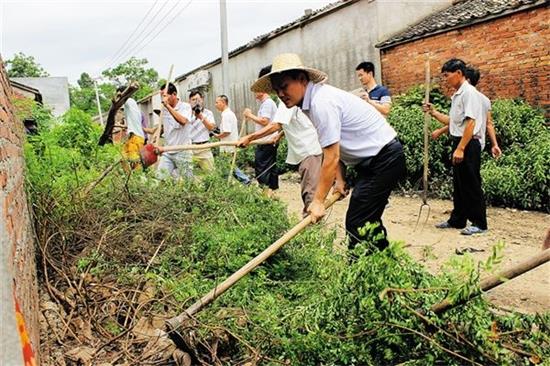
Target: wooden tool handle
156,136
175,323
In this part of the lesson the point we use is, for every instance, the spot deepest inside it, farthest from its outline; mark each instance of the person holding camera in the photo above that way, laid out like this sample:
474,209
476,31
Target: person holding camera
202,123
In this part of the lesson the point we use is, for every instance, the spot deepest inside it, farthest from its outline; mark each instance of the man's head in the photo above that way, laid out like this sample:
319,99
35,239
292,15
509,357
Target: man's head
454,72
260,96
171,92
365,72
195,98
472,75
291,77
222,102
290,86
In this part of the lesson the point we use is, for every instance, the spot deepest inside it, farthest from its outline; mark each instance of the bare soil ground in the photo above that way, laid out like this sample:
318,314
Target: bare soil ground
522,232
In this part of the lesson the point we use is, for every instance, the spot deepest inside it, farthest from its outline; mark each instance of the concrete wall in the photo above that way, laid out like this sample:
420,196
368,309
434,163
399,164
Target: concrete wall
17,253
54,90
511,53
334,42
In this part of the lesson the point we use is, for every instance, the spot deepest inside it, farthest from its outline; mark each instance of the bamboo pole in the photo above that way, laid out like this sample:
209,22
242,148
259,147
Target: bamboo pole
156,135
175,322
498,279
163,149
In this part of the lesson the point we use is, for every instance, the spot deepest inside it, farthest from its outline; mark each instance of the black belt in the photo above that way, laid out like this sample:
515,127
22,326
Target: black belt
458,138
199,143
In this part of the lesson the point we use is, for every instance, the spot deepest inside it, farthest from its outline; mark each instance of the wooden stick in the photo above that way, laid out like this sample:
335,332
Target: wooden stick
210,145
234,159
175,322
156,136
498,279
427,120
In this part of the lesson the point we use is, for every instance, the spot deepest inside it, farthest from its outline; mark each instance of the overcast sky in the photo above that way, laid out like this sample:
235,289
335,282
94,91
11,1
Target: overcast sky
68,37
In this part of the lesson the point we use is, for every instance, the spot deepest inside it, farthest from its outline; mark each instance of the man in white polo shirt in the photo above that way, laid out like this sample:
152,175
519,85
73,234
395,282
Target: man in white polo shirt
229,132
303,147
177,131
265,157
465,122
349,130
202,122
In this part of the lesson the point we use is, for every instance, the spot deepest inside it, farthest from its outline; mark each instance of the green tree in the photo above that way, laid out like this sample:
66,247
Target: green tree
134,70
83,95
22,65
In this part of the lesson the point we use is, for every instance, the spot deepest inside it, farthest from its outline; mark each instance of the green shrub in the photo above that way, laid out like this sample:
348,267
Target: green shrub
309,304
520,178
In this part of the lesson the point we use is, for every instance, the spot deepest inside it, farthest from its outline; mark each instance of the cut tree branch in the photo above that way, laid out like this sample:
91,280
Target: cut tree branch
117,102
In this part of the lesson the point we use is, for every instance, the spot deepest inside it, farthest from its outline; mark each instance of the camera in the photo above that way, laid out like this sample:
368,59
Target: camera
216,131
197,108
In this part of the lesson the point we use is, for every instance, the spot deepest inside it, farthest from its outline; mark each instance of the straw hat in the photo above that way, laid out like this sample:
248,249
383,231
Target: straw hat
285,62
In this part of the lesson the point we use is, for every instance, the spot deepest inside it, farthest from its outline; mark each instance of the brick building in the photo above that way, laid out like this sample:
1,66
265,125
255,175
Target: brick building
17,252
508,40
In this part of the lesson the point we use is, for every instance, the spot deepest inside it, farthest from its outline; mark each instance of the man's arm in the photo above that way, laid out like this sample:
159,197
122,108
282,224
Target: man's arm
328,174
264,121
222,135
440,131
383,108
441,117
495,149
177,116
265,131
458,154
210,125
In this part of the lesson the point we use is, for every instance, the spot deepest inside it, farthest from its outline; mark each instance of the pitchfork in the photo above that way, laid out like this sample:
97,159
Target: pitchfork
427,120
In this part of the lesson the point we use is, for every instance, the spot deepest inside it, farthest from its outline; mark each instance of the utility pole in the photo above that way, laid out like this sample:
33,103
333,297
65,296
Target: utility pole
98,104
225,55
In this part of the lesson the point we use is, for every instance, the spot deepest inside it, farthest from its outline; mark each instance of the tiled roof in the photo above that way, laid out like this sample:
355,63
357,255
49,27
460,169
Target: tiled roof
461,14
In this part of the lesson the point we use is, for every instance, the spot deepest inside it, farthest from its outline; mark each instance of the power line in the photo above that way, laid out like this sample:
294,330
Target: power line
131,35
165,25
137,39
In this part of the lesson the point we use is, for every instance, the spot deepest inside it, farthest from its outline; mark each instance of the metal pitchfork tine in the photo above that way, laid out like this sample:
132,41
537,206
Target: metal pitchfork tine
427,120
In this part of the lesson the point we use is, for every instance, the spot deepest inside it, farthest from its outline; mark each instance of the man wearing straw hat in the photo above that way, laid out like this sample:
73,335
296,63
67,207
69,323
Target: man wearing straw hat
303,146
349,130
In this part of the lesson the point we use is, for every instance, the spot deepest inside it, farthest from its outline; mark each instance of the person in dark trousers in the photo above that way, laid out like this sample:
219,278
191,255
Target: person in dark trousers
349,131
265,158
465,124
376,95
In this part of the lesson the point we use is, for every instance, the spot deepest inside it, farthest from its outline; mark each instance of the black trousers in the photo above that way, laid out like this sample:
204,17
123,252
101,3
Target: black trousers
264,165
468,198
377,176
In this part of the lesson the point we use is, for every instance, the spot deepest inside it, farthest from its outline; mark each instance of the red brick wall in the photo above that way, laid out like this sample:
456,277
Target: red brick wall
16,238
512,54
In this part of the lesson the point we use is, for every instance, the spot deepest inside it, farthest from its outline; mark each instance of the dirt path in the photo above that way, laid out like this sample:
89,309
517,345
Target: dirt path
522,231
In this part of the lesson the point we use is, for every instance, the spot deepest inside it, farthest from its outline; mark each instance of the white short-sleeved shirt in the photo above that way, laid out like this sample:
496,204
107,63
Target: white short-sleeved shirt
339,116
485,109
132,114
300,134
175,133
199,132
229,124
465,103
267,109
